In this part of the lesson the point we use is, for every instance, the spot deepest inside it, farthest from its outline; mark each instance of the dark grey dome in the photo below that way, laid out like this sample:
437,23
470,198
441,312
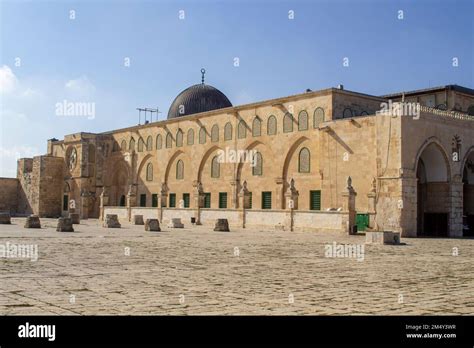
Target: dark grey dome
198,98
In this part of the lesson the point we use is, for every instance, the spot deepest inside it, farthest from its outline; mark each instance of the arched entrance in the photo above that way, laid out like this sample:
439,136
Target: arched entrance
119,187
468,195
432,192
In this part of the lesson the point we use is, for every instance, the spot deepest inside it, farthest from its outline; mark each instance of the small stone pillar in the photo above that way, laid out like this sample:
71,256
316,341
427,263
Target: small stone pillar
162,199
371,196
235,194
456,207
291,197
85,198
348,206
104,201
131,201
244,202
199,202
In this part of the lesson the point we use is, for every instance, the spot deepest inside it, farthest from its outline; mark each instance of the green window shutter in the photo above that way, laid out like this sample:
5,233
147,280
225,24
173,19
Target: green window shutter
143,200
154,200
222,200
186,200
266,200
207,200
65,202
362,222
315,200
172,200
250,200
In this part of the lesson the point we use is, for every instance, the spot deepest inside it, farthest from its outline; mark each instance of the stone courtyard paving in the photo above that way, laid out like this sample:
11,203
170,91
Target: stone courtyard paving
251,271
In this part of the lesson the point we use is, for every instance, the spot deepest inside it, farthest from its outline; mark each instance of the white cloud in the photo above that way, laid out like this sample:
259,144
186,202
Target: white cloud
17,152
81,86
8,80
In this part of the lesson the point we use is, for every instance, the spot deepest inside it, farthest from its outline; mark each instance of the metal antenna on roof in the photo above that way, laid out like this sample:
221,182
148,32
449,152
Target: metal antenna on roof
203,71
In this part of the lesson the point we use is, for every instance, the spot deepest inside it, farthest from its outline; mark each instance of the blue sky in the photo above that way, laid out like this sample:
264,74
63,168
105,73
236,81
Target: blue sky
82,59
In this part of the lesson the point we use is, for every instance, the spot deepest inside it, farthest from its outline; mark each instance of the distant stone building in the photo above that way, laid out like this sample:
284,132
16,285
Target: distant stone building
411,166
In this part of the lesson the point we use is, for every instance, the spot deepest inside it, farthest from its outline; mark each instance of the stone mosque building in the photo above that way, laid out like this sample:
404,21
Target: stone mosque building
331,159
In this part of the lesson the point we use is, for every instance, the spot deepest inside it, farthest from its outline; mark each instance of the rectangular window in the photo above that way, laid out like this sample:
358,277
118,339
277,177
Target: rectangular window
186,200
222,200
250,200
154,200
207,200
143,200
315,200
266,200
65,202
172,200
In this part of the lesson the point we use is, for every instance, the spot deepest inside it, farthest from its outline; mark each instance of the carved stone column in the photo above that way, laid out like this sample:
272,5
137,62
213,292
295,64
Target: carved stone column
162,199
85,198
456,207
348,206
244,202
371,196
198,202
104,201
131,200
291,197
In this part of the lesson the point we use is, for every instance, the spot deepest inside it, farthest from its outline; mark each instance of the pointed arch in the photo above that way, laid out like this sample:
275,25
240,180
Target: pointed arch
159,142
289,155
215,167
149,143
288,123
149,172
272,125
204,159
256,127
215,133
179,138
303,120
132,145
304,161
141,144
190,137
169,140
228,131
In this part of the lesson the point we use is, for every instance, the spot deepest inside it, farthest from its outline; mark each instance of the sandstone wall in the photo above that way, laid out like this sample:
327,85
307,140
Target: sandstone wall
9,195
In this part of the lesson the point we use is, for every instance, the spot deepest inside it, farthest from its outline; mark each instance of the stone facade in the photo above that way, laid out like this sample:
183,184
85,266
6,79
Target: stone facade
315,140
9,195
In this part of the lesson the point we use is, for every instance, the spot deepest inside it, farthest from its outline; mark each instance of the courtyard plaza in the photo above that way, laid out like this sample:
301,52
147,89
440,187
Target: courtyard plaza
252,271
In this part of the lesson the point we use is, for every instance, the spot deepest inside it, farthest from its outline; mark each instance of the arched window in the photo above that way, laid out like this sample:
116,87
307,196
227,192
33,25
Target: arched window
288,123
215,133
179,170
149,172
149,143
140,144
304,161
215,167
364,113
318,117
202,135
228,131
115,147
303,121
257,168
169,140
256,127
159,141
190,137
272,125
179,138
132,144
347,113
242,130
123,145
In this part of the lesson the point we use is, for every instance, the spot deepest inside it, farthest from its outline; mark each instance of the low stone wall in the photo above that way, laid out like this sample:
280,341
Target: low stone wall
209,216
302,220
184,214
318,220
148,213
121,212
266,217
